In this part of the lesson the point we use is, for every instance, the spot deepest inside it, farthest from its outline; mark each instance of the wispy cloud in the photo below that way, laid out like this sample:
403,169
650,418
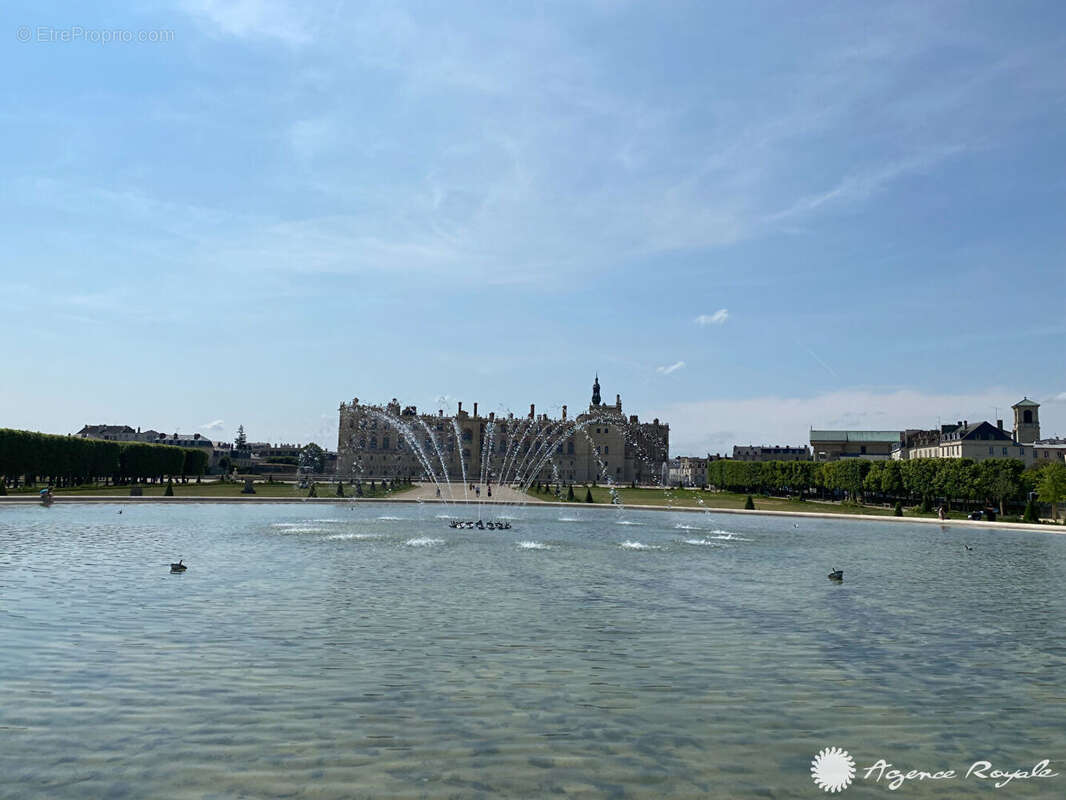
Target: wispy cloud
214,425
717,318
247,19
825,366
671,368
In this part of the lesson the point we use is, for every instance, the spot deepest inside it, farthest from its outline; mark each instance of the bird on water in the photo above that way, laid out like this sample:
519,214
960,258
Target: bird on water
179,567
836,575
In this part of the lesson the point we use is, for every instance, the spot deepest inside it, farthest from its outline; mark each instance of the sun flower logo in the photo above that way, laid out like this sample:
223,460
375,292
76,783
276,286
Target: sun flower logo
833,769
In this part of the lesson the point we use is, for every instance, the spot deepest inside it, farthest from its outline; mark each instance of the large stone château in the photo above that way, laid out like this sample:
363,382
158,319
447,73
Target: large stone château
600,444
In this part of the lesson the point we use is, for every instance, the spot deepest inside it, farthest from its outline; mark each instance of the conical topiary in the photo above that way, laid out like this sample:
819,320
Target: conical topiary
570,492
340,489
899,509
749,504
169,491
1031,514
588,495
312,492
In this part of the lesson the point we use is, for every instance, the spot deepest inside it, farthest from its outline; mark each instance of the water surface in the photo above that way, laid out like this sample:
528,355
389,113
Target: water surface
329,651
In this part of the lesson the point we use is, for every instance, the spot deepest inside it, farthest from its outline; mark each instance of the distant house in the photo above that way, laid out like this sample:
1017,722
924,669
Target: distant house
869,445
1048,450
977,441
117,433
186,440
770,453
690,471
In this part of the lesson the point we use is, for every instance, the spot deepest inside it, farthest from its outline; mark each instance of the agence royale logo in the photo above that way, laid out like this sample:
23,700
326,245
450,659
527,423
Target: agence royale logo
833,770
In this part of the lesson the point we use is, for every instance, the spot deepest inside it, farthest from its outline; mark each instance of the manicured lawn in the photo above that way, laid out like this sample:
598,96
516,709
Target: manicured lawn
693,498
217,489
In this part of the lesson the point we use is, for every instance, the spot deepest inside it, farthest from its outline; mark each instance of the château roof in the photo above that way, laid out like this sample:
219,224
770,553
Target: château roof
1025,402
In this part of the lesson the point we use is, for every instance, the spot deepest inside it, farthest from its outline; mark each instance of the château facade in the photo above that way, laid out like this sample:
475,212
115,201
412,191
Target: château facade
599,445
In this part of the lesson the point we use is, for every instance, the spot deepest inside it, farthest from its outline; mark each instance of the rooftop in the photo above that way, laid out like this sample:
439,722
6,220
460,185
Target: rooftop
855,436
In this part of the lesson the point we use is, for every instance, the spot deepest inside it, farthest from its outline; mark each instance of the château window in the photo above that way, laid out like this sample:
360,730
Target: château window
606,449
373,442
385,443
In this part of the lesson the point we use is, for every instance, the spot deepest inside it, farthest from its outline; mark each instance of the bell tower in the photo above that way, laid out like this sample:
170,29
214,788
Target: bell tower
596,390
1026,421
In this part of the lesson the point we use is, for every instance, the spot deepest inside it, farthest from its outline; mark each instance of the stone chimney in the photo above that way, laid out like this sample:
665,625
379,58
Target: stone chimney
475,410
492,416
460,407
532,411
564,413
999,424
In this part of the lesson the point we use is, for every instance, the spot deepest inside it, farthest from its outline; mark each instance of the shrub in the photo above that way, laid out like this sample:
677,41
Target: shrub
570,492
588,495
3,487
898,512
749,504
312,492
169,491
927,504
1031,514
340,489
136,491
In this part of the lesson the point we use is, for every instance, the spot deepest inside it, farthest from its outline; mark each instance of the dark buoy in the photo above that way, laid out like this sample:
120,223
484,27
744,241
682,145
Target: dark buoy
179,567
836,575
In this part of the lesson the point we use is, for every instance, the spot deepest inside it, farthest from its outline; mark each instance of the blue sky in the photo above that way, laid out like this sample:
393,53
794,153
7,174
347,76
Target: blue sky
750,218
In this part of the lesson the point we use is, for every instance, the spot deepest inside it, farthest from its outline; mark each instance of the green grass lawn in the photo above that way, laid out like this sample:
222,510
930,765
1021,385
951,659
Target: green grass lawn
691,498
217,489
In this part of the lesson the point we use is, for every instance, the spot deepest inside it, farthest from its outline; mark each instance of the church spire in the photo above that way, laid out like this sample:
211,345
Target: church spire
596,390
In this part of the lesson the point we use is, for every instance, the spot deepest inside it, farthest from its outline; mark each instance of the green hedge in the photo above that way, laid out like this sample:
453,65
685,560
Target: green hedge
71,460
995,480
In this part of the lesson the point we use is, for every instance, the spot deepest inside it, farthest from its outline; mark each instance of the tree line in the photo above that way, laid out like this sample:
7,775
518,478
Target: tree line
30,457
928,481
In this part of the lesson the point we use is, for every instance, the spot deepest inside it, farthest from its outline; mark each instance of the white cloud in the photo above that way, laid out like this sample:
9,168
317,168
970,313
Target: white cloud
214,425
672,368
717,318
1059,398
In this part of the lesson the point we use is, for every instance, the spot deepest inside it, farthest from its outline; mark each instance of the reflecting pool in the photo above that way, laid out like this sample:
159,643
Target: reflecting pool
369,650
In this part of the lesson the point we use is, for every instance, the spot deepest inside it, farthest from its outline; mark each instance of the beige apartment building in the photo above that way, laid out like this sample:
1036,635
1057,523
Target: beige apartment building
979,440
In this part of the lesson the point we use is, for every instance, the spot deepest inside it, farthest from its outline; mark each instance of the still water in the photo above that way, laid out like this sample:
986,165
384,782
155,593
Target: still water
332,651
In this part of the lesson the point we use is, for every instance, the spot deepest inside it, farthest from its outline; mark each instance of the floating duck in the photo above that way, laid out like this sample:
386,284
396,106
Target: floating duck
836,575
179,567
